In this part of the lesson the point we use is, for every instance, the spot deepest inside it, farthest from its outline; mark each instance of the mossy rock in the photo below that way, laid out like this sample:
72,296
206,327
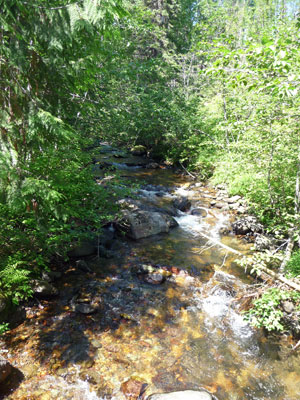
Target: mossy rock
138,150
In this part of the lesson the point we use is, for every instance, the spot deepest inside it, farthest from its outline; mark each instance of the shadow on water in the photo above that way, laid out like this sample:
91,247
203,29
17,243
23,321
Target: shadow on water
60,336
11,383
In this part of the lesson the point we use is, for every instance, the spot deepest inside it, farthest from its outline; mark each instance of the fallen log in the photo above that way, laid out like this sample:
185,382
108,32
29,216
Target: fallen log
268,271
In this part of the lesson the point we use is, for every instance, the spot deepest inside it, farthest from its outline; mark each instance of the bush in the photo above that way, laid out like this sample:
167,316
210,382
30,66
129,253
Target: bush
293,266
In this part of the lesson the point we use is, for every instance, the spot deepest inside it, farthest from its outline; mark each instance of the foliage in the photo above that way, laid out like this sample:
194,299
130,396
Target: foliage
293,265
48,197
266,311
258,260
3,327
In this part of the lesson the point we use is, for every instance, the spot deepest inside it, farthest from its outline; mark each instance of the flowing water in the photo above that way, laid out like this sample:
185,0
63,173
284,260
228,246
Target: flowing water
185,333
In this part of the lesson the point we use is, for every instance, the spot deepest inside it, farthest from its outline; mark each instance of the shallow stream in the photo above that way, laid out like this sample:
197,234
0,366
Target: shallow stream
185,333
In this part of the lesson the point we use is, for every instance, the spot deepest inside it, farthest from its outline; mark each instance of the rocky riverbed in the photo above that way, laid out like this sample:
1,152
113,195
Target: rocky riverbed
151,309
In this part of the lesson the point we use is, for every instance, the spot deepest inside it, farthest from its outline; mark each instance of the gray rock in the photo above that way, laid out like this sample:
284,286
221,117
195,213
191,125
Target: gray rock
139,224
233,199
199,211
220,204
5,369
183,204
43,288
183,395
288,306
247,225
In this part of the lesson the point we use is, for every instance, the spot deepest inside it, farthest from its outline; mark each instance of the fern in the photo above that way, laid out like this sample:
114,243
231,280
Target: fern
14,279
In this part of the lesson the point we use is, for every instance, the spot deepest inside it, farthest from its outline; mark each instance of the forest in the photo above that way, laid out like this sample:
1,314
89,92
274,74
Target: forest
211,86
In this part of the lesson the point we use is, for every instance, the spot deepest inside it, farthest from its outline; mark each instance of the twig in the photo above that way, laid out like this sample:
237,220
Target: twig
224,260
296,345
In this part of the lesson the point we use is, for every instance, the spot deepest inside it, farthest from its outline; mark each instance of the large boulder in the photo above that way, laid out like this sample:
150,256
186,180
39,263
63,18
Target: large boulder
5,369
183,395
139,224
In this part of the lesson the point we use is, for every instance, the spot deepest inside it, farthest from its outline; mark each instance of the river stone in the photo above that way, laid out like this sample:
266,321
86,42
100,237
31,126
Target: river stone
233,199
132,389
154,278
199,211
86,309
139,224
5,369
183,395
182,204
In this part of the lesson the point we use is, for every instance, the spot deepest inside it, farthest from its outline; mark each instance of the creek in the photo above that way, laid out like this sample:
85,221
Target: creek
185,332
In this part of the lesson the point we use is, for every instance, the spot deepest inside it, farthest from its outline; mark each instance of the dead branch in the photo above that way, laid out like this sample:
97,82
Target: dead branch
266,270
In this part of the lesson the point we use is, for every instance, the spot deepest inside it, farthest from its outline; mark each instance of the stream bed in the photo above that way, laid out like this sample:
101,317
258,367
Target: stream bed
183,332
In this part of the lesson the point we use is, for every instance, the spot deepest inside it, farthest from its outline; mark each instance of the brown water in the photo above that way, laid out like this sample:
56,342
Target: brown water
186,333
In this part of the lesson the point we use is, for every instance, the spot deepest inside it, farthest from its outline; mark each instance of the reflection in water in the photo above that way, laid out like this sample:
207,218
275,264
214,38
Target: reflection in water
185,333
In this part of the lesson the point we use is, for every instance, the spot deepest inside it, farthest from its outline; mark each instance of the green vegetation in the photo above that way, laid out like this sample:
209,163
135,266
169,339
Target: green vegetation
267,312
293,265
211,85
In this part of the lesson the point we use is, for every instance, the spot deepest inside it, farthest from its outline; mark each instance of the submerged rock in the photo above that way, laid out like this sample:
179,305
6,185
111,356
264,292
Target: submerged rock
133,388
139,224
200,211
86,309
183,395
5,369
